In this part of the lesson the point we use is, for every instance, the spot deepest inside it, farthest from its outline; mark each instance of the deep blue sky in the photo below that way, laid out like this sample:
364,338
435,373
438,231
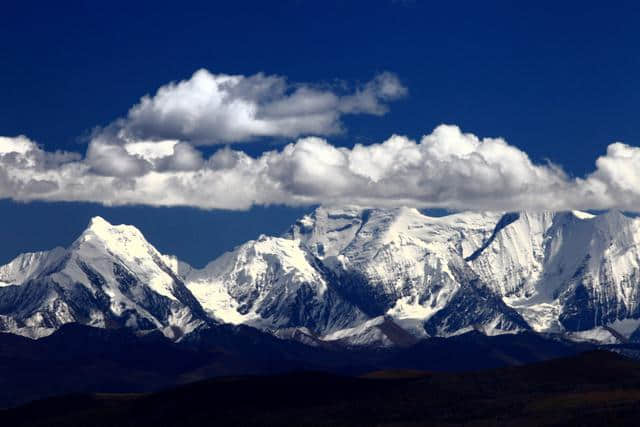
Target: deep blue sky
557,80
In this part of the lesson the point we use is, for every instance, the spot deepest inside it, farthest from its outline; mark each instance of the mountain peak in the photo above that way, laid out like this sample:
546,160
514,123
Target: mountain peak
101,226
98,221
101,229
102,239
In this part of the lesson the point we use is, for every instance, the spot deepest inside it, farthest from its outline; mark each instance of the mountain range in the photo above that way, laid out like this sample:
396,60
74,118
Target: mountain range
348,277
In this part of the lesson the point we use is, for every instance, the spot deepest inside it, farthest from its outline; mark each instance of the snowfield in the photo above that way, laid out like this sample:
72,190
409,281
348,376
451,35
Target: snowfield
377,277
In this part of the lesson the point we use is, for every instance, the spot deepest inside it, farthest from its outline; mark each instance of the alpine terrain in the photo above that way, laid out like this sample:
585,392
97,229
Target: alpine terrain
349,276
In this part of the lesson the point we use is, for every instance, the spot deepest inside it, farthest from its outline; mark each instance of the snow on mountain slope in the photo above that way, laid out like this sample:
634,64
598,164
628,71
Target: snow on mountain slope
338,269
366,333
526,248
349,276
28,264
560,271
272,283
406,265
110,276
566,271
102,244
392,249
334,231
604,286
381,331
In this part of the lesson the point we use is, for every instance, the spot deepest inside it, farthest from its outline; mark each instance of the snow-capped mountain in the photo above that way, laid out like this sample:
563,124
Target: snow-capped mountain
273,283
565,272
409,267
109,277
568,271
349,276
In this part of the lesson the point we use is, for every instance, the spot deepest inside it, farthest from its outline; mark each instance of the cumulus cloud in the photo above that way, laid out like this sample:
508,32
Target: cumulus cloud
445,168
219,108
18,145
616,180
151,156
183,158
114,160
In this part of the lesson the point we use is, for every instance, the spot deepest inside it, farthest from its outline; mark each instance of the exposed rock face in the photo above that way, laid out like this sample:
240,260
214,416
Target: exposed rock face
109,277
550,271
351,276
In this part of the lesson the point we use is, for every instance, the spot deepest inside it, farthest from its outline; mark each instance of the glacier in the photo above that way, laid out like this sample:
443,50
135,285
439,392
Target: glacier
350,276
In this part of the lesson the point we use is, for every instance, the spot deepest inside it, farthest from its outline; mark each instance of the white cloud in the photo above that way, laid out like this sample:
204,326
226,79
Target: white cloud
114,160
616,180
446,168
183,158
20,144
218,108
151,150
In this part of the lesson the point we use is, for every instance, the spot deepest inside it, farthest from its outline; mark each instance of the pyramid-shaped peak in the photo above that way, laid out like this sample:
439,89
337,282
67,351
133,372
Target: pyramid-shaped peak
99,222
112,236
98,225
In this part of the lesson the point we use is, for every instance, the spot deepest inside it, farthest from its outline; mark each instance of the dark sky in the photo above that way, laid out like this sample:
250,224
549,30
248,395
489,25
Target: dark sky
556,80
